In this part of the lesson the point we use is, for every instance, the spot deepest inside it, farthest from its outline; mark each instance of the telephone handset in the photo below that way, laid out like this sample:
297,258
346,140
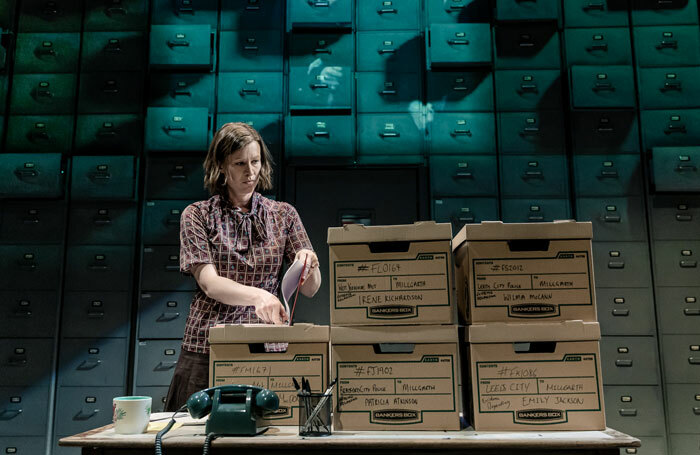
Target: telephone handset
233,409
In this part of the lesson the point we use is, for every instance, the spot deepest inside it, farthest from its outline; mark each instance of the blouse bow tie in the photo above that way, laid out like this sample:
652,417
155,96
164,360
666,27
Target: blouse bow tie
249,228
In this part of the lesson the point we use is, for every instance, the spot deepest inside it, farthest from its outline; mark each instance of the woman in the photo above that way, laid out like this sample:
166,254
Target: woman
234,244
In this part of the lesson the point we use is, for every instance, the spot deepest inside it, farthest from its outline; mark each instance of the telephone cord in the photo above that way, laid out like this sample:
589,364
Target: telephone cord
161,433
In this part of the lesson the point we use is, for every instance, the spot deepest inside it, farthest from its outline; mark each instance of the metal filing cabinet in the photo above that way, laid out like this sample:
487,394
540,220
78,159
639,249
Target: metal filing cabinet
458,45
382,92
30,267
113,51
325,136
629,360
251,50
605,131
92,362
458,11
33,222
675,169
679,309
161,221
64,16
467,175
534,210
116,15
676,262
26,362
526,90
47,52
103,177
534,176
160,270
460,211
182,47
607,175
395,51
626,311
156,361
681,358
459,90
89,314
388,14
115,93
163,314
535,133
667,46
622,264
250,92
515,10
598,46
184,12
390,134
319,13
177,129
99,267
653,12
614,218
109,133
602,86
685,444
24,411
182,90
80,409
635,409
669,88
527,46
28,313
462,134
38,133
252,15
176,177
21,445
42,94
684,407
102,223
605,13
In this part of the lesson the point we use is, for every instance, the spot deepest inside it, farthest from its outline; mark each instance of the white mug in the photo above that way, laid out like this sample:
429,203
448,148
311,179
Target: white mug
131,414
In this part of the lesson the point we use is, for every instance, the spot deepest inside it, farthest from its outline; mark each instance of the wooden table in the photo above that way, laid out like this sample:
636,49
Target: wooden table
189,439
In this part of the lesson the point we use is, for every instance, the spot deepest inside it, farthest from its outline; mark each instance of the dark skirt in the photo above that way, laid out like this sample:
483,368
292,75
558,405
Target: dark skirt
191,375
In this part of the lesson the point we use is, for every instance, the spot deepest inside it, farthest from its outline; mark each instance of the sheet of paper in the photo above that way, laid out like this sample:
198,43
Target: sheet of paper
290,281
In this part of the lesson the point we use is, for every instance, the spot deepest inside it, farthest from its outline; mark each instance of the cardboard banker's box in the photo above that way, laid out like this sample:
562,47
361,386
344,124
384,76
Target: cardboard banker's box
391,274
514,272
396,378
541,376
238,357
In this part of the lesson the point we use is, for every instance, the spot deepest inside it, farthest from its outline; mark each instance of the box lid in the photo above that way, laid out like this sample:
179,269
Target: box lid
498,230
395,334
502,332
265,333
420,230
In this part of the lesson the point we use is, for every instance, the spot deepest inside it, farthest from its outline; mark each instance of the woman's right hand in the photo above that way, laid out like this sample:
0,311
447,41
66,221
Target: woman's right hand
269,308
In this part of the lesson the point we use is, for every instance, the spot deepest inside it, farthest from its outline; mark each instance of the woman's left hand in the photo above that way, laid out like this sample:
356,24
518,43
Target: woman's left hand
309,258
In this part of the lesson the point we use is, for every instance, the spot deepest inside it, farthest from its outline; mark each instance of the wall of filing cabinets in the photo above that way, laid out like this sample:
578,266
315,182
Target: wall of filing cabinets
520,111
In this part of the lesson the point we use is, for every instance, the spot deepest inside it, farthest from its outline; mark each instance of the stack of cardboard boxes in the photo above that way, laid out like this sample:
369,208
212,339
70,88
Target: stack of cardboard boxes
527,294
394,338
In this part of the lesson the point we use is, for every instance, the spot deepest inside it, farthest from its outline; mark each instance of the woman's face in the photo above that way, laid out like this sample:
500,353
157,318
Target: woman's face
242,169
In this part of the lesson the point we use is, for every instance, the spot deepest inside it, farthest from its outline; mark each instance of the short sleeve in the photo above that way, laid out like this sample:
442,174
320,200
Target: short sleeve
297,239
194,242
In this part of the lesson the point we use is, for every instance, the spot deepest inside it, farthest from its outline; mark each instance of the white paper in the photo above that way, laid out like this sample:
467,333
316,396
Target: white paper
290,281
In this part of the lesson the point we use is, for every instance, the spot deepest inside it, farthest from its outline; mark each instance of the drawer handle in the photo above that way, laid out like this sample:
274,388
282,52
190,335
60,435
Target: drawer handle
85,415
623,363
385,135
101,221
387,11
598,47
321,134
684,218
251,48
165,317
100,176
456,132
388,92
671,128
533,175
28,267
176,176
530,131
609,174
689,264
108,134
100,268
28,220
164,366
170,128
528,88
252,8
458,42
464,175
456,7
23,313
605,129
466,219
620,312
17,361
594,6
696,411
668,44
612,218
44,93
677,85
691,311
172,268
459,88
89,364
49,10
694,360
116,10
9,414
616,264
322,50
319,3
315,86
603,87
628,412
686,167
96,314
386,51
178,43
250,91
173,221
182,93
23,173
535,218
114,47
108,89
44,51
186,10
40,135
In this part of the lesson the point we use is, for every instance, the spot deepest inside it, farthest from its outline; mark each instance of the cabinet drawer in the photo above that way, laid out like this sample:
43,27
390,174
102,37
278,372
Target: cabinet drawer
303,13
668,88
116,15
109,133
26,361
30,267
177,129
460,90
64,16
598,46
675,169
92,362
652,12
102,223
113,51
103,177
388,15
626,311
389,134
614,219
527,46
42,94
47,52
96,314
473,175
160,270
161,221
534,210
635,409
460,211
251,14
175,178
684,408
327,136
679,309
156,361
252,50
629,360
163,314
534,175
463,134
459,45
99,268
681,354
676,262
81,409
28,313
526,90
250,92
387,92
667,46
539,132
33,222
184,47
622,264
671,128
596,132
607,175
185,12
602,86
389,51
515,10
114,93
182,90
24,412
38,133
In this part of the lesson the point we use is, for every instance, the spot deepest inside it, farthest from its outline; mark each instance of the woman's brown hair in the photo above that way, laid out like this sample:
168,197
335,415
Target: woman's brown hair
230,138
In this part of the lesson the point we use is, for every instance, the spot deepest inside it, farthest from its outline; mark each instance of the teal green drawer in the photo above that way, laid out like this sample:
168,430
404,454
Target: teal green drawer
676,262
252,15
250,92
667,46
681,355
319,13
517,10
655,12
683,407
31,267
116,15
534,176
389,51
635,410
472,175
160,270
325,50
161,221
183,47
527,46
36,134
605,131
603,13
251,50
99,268
626,311
33,222
54,16
460,90
524,90
42,94
26,360
103,177
459,45
176,177
388,15
381,92
182,90
47,52
531,132
94,314
459,11
534,210
461,211
668,88
28,176
679,127
155,361
685,444
113,51
320,88
614,218
111,93
629,360
327,136
29,314
185,12
675,217
109,133
163,314
607,175
681,309
598,46
675,169
102,223
389,134
622,264
463,134
177,129
602,87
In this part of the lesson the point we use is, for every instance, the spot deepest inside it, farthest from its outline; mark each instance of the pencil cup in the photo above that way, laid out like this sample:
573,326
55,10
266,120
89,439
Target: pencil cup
315,414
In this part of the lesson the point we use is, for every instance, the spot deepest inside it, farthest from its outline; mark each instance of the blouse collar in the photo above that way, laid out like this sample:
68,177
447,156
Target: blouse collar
250,228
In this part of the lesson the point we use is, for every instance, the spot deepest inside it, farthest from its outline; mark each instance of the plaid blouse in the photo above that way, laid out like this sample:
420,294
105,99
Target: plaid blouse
245,247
